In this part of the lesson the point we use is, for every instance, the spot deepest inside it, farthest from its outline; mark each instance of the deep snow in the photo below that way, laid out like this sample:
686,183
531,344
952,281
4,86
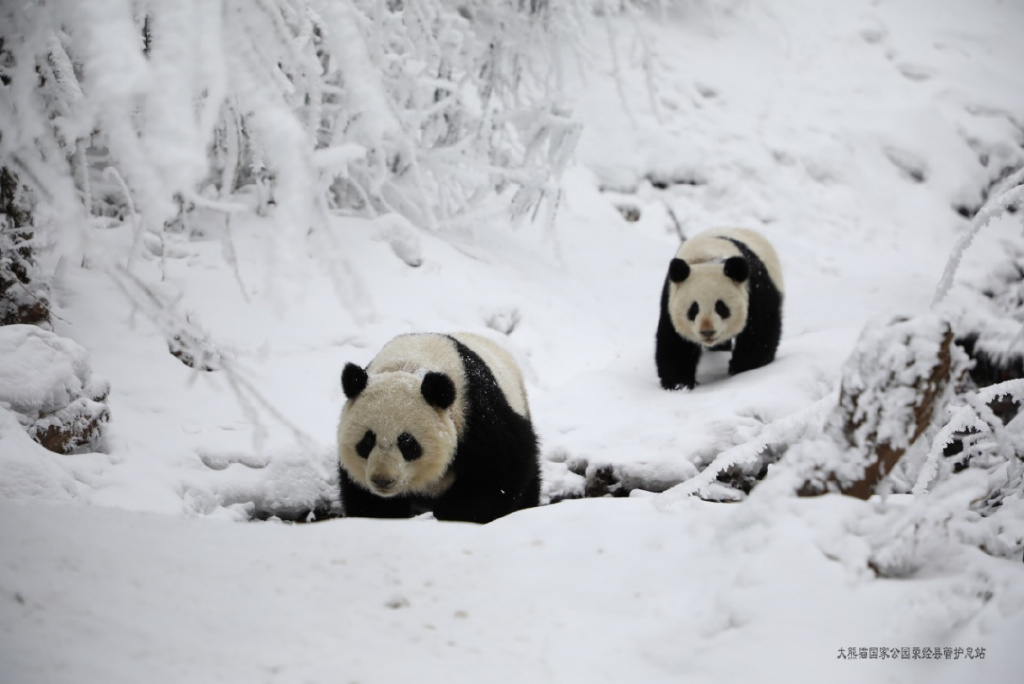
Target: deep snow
847,132
585,591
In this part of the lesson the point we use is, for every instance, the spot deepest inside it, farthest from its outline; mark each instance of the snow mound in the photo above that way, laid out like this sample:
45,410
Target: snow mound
41,372
27,471
47,381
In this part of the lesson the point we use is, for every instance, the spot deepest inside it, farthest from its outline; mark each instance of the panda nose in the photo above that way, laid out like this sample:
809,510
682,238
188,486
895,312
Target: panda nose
382,482
707,334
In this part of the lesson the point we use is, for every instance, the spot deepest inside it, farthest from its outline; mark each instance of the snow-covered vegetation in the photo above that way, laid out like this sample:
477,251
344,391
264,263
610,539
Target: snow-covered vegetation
208,208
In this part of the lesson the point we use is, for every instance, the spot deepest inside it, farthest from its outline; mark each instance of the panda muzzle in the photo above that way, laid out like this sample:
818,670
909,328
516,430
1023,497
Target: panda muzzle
382,483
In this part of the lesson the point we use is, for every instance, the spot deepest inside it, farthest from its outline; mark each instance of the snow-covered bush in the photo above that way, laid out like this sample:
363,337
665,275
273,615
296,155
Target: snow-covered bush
426,108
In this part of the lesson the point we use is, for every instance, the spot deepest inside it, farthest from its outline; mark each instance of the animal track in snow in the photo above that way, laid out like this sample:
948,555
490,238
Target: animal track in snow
915,72
910,166
504,320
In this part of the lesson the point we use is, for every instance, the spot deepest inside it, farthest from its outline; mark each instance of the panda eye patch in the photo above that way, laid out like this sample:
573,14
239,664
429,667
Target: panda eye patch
693,311
410,448
366,444
721,309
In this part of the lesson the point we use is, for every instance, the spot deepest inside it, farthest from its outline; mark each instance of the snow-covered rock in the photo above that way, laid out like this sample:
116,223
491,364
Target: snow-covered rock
47,381
900,376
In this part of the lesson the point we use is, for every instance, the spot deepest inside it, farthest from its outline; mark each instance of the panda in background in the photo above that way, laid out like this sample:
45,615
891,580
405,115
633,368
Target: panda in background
439,423
724,289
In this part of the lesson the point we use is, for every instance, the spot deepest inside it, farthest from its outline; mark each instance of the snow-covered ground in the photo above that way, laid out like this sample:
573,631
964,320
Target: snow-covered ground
848,132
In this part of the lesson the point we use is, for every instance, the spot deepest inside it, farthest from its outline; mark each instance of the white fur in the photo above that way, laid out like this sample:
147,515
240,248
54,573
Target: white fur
705,253
392,403
503,367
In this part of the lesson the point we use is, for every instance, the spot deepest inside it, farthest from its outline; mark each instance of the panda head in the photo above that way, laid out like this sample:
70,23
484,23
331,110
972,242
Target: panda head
396,434
708,302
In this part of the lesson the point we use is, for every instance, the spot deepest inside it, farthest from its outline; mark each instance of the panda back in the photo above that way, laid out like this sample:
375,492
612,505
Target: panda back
417,352
420,352
502,366
759,245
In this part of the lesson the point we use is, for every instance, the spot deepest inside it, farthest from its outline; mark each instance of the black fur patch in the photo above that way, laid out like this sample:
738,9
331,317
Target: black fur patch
410,448
438,389
678,271
353,380
737,268
366,444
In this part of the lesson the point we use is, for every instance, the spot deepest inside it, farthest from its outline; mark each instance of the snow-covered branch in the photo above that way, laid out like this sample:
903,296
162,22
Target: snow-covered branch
436,107
1011,193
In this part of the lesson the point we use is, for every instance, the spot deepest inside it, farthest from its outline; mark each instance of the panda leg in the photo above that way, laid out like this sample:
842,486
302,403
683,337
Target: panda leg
500,472
464,504
755,348
359,503
675,357
677,363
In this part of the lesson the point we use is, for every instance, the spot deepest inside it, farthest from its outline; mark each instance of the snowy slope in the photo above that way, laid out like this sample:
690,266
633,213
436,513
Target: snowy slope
587,591
848,132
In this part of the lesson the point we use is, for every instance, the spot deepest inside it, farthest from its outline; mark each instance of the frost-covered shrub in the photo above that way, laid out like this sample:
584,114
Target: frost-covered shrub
987,310
23,294
974,498
46,381
421,107
930,530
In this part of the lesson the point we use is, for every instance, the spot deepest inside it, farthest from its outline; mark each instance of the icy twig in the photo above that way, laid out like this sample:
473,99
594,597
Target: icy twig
781,430
111,173
171,324
992,209
975,413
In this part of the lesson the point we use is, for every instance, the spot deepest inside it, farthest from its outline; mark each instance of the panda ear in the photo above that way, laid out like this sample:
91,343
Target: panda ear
353,380
737,268
438,389
678,271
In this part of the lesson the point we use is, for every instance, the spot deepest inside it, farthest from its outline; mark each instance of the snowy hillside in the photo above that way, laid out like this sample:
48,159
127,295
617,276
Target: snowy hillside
859,136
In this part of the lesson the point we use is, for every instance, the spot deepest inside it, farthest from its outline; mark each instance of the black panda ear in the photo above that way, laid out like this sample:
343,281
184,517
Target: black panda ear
438,389
353,380
737,268
678,271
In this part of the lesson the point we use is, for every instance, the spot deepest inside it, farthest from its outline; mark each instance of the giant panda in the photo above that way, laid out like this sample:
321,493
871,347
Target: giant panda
437,423
723,290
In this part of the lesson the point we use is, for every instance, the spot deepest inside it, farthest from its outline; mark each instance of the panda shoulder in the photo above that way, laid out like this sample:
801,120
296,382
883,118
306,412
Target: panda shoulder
414,352
760,246
503,367
706,246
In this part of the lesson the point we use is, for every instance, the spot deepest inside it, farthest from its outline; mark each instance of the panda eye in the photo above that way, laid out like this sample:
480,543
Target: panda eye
721,309
692,313
366,444
410,448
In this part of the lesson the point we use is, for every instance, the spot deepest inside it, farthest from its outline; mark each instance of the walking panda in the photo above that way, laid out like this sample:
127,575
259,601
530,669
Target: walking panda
441,423
724,289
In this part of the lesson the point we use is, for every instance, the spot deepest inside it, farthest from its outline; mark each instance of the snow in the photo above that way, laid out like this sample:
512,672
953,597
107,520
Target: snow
594,590
40,371
848,132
